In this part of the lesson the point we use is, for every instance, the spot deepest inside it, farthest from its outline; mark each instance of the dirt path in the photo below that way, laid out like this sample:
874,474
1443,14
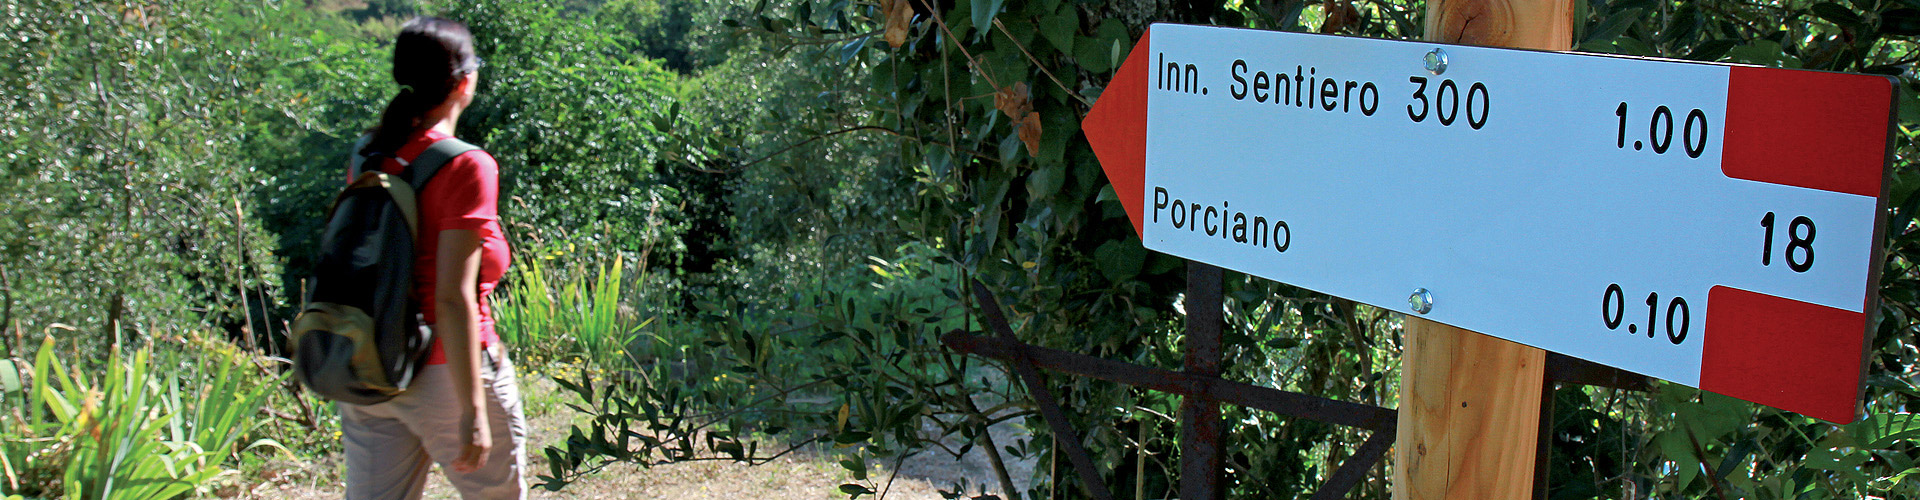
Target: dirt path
810,476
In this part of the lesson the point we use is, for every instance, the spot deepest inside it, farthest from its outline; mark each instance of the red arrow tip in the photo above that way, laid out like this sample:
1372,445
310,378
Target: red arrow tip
1117,130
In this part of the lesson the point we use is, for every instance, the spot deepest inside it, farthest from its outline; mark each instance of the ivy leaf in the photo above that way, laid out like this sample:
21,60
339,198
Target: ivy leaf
1053,146
1715,416
959,20
1045,181
1674,445
1120,260
1114,41
983,12
1092,55
1010,149
1059,29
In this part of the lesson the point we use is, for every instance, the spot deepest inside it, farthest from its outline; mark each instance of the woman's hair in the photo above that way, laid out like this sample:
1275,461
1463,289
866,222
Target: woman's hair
429,57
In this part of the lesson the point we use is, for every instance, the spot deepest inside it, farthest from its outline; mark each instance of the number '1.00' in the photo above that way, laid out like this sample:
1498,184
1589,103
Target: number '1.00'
1693,133
1613,312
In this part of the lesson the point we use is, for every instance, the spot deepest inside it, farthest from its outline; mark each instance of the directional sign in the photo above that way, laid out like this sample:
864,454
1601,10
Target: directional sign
1711,225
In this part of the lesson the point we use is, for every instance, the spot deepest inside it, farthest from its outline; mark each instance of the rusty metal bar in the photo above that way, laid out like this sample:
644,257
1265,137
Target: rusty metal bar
1201,430
1543,454
1063,432
1155,379
1564,368
1355,468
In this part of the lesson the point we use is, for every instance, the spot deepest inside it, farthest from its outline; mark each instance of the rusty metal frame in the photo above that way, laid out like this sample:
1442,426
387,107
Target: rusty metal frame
1202,431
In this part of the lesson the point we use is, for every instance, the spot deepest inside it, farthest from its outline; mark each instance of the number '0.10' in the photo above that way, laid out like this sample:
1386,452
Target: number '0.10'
1679,318
1693,133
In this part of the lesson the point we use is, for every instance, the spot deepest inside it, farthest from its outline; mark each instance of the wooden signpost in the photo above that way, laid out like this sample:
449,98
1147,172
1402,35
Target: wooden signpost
1636,213
1491,438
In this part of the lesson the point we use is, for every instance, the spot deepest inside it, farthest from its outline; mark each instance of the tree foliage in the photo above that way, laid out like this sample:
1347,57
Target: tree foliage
973,107
804,187
128,180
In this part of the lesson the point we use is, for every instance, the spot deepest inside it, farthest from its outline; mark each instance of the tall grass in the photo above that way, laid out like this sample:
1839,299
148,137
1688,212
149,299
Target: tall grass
579,315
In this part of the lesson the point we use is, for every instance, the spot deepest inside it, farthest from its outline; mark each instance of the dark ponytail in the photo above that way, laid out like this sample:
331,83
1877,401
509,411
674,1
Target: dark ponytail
429,57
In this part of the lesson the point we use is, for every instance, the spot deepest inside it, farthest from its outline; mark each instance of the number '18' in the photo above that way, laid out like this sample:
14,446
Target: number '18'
1800,234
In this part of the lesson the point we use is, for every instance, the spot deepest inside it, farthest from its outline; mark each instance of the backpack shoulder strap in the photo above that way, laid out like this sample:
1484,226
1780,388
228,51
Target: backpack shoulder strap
356,162
422,168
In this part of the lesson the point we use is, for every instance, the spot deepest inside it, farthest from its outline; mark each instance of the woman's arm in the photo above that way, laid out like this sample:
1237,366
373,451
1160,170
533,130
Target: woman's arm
456,302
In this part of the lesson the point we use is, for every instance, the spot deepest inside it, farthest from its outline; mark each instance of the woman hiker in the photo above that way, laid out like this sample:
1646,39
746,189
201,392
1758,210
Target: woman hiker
463,409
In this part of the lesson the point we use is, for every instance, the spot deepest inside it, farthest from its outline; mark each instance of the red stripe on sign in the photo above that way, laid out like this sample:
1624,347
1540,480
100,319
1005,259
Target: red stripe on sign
1116,127
1783,353
1816,130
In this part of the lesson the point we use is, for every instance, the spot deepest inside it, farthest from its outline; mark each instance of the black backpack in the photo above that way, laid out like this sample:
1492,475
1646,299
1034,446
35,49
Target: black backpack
359,339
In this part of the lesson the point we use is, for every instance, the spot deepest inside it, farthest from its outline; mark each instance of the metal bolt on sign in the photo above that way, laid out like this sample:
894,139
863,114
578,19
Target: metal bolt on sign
1436,61
1422,300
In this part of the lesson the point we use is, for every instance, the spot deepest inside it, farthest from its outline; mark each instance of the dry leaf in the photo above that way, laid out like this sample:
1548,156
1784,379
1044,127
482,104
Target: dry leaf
1015,101
899,16
1030,133
1340,14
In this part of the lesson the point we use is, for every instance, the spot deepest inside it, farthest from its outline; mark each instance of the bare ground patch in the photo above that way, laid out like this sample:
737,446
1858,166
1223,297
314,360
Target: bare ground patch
807,474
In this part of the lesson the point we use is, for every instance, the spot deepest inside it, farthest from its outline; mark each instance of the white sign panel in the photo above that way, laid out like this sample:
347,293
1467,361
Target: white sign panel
1611,209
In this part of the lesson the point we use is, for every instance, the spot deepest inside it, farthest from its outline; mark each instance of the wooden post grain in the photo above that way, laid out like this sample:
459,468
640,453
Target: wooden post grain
1469,416
1470,405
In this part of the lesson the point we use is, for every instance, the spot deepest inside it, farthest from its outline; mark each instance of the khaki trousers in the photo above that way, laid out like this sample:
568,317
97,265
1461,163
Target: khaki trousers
391,446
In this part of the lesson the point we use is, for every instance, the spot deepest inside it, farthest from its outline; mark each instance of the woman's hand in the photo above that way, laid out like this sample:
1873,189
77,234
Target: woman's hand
473,456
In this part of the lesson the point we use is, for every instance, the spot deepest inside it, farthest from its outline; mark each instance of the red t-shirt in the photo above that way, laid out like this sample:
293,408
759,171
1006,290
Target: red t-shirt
464,194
